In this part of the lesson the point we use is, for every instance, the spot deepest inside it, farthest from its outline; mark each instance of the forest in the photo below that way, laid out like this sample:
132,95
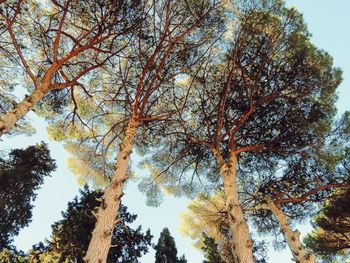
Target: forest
226,103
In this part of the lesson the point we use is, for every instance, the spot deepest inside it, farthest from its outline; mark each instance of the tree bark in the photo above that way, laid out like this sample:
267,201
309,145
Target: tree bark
242,241
100,242
9,119
292,237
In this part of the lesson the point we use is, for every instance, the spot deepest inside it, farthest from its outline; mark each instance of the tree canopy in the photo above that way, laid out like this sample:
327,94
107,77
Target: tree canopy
228,102
57,45
142,92
266,99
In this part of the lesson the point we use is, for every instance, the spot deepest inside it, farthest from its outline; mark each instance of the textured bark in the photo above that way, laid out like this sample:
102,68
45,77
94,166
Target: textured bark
9,119
242,241
291,237
100,242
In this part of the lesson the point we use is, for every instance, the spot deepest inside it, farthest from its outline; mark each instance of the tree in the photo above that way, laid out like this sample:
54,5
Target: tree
206,218
207,224
210,250
278,196
331,234
268,96
292,196
143,91
21,175
56,45
293,237
290,191
166,251
71,235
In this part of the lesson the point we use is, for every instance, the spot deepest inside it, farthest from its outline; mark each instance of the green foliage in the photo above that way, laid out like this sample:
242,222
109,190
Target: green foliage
206,223
300,182
205,214
71,235
166,251
12,256
268,98
331,234
142,84
279,103
61,48
266,94
210,249
21,175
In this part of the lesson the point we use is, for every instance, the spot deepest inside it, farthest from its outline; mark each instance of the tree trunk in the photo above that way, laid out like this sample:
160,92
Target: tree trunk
100,242
292,237
9,119
242,242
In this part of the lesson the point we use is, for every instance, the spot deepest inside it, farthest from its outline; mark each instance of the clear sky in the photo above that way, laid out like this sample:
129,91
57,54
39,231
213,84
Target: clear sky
328,21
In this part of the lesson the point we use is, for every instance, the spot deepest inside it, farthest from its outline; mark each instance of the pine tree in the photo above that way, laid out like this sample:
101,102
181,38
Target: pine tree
269,96
141,91
331,234
210,250
21,175
71,235
68,41
290,192
205,221
166,251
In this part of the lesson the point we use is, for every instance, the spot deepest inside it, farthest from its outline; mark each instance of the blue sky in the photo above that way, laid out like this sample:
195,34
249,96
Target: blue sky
328,22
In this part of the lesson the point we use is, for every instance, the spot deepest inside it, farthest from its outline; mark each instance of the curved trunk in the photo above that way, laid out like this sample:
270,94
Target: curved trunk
292,237
242,242
106,217
9,119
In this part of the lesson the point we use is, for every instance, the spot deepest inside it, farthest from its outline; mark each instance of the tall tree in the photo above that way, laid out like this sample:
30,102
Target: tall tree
270,95
206,221
292,189
54,46
142,92
289,198
71,235
21,175
166,251
331,234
